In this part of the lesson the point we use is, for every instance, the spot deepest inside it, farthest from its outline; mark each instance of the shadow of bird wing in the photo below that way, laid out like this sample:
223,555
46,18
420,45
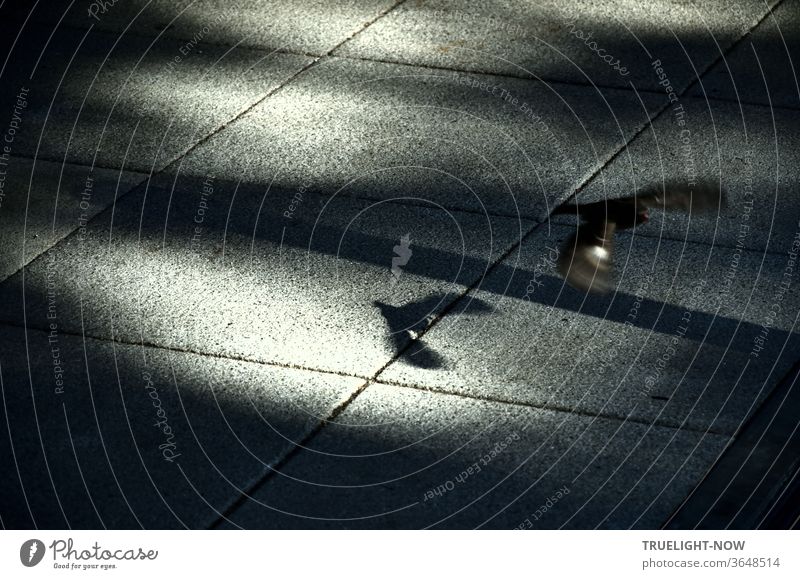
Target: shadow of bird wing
421,355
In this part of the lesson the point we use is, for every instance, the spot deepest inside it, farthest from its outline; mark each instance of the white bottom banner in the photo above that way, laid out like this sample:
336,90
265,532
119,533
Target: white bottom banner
354,554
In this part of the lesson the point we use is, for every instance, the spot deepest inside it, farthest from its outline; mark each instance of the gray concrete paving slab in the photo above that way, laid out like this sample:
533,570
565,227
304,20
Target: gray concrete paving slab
607,43
403,458
750,487
287,276
117,436
751,151
41,202
763,67
682,342
126,101
380,131
307,26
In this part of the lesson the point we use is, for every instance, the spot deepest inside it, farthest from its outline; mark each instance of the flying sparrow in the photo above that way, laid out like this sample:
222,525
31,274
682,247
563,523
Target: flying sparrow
588,255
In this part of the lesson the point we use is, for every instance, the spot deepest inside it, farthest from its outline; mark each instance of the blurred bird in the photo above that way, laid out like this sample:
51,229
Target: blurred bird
587,257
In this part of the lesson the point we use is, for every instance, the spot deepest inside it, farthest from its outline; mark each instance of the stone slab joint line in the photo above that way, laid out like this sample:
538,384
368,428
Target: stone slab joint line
284,458
283,84
683,93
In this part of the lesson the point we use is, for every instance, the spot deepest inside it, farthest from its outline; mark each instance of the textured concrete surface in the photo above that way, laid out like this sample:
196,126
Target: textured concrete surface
303,26
763,67
476,142
687,349
751,151
402,458
125,101
142,437
218,267
327,261
42,202
747,488
605,43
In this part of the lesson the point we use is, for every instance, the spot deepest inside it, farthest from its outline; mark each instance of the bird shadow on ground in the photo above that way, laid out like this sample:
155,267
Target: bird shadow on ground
412,320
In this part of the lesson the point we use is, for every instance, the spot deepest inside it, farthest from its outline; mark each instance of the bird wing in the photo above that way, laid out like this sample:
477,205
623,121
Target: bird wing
588,255
672,195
